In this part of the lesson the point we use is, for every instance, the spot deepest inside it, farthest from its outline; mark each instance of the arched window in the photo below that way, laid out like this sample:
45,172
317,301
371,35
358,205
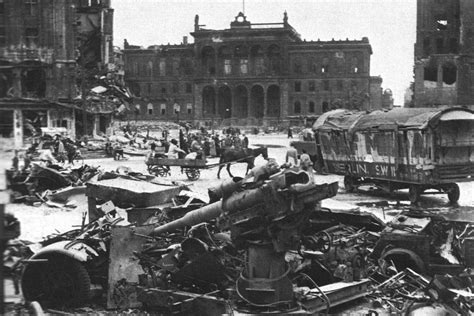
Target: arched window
149,108
297,109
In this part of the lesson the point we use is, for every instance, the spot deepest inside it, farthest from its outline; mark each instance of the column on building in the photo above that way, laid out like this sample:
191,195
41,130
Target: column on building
18,128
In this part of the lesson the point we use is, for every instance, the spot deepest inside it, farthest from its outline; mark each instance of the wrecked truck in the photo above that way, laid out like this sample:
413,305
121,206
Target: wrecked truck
428,241
422,149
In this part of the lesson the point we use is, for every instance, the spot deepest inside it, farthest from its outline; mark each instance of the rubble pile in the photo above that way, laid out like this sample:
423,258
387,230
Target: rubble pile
255,245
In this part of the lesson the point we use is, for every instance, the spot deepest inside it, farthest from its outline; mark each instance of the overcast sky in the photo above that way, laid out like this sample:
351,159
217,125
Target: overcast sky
390,26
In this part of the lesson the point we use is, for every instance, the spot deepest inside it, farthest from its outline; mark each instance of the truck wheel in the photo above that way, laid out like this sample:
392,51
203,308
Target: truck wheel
453,192
349,183
62,281
414,193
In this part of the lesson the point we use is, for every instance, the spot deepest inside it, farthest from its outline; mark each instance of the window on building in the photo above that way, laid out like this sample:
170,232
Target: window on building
149,108
149,68
189,108
175,87
163,90
326,85
297,66
298,86
2,6
162,67
427,46
325,106
297,108
163,108
453,46
312,85
259,65
31,35
311,108
176,66
441,22
440,45
135,69
31,7
340,85
325,65
149,88
355,65
189,87
3,38
244,66
227,67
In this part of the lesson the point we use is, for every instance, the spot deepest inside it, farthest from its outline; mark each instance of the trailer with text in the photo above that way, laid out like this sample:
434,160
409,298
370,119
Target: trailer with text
416,148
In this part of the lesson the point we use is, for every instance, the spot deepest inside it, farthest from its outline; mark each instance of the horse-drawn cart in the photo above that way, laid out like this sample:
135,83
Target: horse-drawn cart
161,166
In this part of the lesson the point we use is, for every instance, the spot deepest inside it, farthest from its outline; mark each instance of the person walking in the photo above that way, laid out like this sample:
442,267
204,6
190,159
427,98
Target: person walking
290,133
245,142
291,158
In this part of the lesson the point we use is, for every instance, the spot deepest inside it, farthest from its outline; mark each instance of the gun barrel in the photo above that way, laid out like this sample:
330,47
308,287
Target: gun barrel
200,215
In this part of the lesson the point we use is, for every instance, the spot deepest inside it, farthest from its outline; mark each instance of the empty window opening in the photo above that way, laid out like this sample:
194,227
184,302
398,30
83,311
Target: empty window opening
431,74
163,90
453,46
163,108
441,23
449,74
311,107
340,85
426,46
149,108
297,86
325,106
440,45
175,87
297,109
189,87
34,83
227,67
312,86
244,69
189,108
31,35
326,85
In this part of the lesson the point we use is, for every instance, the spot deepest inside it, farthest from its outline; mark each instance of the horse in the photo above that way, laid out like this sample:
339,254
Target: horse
246,155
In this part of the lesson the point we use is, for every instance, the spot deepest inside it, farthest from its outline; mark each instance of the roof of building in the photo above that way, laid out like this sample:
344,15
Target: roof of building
398,118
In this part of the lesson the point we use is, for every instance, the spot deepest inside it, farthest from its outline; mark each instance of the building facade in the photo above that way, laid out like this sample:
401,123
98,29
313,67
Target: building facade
44,45
444,53
250,74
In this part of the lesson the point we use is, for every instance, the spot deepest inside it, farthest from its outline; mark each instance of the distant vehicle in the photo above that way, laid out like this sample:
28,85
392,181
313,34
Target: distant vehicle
306,141
415,148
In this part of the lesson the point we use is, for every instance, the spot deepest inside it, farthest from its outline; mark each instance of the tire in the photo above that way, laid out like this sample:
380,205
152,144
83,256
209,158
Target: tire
453,192
414,193
62,281
349,184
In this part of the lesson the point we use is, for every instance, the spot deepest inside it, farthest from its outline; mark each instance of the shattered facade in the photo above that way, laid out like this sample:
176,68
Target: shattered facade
444,53
44,45
250,74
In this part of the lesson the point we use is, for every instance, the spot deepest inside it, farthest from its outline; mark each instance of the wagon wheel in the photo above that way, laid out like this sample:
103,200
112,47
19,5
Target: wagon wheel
193,173
414,193
452,190
324,241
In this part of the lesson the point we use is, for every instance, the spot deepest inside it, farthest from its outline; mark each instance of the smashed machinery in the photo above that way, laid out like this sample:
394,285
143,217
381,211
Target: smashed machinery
266,219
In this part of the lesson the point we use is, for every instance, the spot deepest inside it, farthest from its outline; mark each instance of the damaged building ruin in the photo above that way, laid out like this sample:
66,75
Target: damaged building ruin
444,53
250,74
50,52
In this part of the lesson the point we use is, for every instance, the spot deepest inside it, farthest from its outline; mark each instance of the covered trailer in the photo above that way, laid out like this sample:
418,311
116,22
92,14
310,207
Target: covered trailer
415,148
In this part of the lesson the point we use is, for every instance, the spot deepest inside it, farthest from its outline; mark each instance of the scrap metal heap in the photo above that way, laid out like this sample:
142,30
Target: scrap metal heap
265,221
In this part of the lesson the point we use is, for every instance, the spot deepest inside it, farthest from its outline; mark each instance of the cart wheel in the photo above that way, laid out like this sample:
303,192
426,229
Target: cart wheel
414,193
349,183
324,241
453,192
193,174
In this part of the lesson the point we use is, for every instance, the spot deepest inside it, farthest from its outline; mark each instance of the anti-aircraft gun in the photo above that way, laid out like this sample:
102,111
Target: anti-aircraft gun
266,219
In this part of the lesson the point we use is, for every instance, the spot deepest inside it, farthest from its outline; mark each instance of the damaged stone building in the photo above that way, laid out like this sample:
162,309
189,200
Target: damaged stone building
44,45
444,53
250,74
